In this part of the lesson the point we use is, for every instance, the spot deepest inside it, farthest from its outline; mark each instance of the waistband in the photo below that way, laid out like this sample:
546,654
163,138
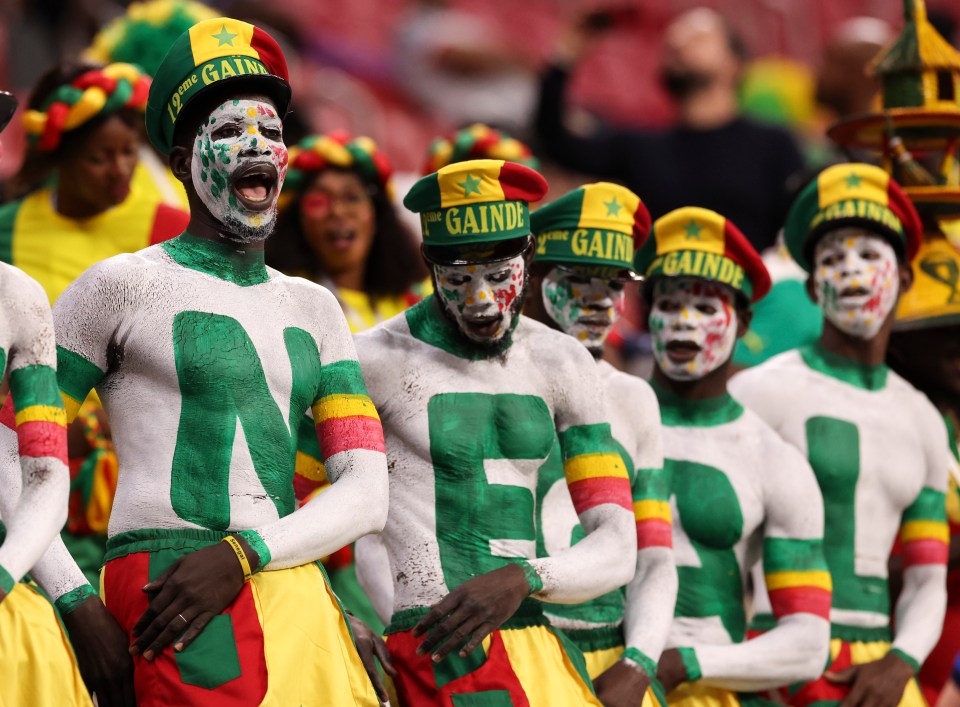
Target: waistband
529,614
598,638
153,539
852,634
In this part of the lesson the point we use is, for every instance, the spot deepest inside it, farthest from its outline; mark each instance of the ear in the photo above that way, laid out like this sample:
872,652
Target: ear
744,317
180,163
811,286
906,277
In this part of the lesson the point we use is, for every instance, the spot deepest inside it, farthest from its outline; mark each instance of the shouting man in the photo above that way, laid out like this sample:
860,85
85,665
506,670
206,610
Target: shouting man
585,246
205,361
475,400
878,447
738,491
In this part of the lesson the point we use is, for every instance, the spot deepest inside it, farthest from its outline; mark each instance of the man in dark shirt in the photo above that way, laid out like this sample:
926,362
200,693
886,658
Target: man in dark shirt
712,157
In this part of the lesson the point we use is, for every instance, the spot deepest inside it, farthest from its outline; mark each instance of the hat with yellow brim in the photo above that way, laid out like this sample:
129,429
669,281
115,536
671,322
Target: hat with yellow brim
934,298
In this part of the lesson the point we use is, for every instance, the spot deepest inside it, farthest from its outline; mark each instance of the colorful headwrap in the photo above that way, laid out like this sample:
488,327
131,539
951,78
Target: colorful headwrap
317,152
146,31
478,142
93,93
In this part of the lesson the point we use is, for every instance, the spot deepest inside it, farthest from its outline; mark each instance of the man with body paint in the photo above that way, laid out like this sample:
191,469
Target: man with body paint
578,292
205,361
738,492
34,482
475,400
877,446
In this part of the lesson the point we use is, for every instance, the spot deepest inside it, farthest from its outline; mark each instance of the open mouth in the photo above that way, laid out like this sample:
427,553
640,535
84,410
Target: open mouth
854,292
341,239
682,351
483,325
255,186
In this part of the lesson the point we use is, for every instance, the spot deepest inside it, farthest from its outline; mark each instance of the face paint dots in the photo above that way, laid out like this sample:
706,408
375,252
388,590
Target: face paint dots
857,280
581,305
482,299
238,167
693,325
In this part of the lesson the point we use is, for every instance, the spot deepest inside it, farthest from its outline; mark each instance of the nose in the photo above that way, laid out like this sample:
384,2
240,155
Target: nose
685,320
852,264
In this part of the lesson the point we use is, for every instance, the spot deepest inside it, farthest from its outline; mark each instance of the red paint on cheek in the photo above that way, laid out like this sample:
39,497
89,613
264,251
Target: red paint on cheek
315,205
505,297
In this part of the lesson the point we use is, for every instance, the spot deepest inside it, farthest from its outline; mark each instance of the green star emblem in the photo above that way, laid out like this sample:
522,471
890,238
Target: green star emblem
854,181
613,207
471,185
693,230
224,37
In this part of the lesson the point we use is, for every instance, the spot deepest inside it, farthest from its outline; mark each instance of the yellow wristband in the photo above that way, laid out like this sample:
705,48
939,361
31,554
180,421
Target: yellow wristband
241,555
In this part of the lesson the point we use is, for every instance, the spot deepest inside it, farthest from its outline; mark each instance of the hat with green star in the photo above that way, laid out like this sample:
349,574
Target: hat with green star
596,225
853,194
475,202
217,52
695,242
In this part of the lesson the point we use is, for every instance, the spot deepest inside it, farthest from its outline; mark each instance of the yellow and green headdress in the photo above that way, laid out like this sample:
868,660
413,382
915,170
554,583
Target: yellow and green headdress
217,52
93,93
695,242
477,142
475,202
316,153
596,225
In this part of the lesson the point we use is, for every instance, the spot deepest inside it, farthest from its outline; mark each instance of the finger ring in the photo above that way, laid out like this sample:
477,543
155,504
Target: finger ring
182,619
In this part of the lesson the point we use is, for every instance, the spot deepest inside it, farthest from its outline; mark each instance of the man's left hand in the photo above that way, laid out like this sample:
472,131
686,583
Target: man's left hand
472,611
370,647
622,685
877,684
187,596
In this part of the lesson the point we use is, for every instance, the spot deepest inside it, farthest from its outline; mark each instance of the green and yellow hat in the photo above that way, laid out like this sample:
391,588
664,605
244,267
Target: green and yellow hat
934,298
596,225
477,142
213,53
695,242
475,202
852,194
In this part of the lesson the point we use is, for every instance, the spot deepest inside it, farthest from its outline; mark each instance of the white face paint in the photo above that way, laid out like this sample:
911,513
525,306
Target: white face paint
582,306
694,327
239,164
481,297
857,280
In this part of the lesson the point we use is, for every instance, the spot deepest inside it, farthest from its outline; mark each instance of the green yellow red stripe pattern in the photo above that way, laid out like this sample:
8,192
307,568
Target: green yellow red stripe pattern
35,410
797,577
344,415
77,377
594,470
924,535
651,508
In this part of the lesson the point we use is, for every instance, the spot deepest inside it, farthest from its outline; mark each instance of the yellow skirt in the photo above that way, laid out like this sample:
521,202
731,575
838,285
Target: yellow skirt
37,664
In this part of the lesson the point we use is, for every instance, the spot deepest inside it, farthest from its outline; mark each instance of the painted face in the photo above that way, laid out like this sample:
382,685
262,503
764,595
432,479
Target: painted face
483,298
239,163
582,306
857,280
693,325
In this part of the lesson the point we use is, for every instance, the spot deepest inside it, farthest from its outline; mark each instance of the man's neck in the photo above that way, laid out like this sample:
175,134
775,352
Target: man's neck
868,352
712,385
69,206
712,108
350,278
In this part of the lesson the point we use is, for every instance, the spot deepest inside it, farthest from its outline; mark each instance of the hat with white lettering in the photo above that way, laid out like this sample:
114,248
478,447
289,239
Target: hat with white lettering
852,194
216,52
596,225
695,242
475,202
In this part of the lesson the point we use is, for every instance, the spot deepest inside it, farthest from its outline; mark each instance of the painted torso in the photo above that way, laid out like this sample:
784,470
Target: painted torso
467,437
868,441
201,374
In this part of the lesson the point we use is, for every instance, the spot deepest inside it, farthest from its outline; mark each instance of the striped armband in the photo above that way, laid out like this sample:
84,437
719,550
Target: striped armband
311,475
924,535
345,416
69,602
40,420
797,577
7,582
256,544
909,660
77,377
652,510
596,473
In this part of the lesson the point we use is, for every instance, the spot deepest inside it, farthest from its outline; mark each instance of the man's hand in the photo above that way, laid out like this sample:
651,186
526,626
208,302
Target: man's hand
877,684
671,671
472,611
622,685
187,596
370,646
101,647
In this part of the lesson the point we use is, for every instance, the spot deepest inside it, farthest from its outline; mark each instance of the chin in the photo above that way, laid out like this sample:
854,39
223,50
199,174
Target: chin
240,230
